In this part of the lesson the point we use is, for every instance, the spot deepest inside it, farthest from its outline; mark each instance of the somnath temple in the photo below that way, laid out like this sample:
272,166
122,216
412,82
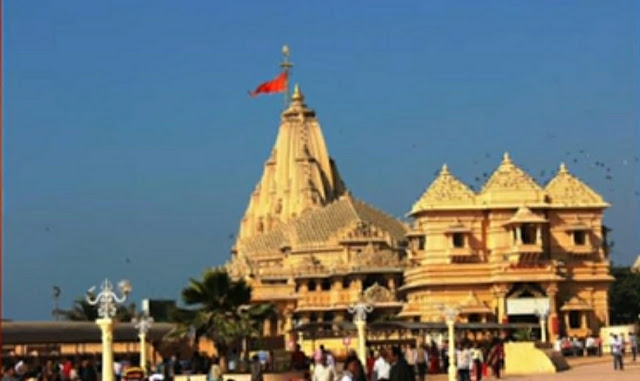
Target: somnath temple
512,252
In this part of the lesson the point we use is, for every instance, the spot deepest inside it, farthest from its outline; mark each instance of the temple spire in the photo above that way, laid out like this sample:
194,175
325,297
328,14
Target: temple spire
299,175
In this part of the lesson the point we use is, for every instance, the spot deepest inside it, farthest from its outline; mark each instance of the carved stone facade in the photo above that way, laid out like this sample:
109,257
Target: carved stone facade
306,244
512,251
311,248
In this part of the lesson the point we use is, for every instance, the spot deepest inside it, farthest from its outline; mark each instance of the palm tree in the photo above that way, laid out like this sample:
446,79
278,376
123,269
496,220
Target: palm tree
81,310
251,320
219,309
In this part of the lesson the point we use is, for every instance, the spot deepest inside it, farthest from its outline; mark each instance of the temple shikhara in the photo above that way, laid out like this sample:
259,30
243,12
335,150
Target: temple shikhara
510,253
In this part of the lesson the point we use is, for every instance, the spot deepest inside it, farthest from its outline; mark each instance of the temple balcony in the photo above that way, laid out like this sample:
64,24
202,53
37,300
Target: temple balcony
273,292
327,298
315,298
581,250
526,235
460,252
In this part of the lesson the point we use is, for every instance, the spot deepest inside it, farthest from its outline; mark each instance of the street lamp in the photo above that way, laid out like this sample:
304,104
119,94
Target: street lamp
542,316
107,301
360,311
143,324
450,314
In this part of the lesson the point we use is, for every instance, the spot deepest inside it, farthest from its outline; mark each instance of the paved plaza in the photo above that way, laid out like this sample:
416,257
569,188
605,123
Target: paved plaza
591,370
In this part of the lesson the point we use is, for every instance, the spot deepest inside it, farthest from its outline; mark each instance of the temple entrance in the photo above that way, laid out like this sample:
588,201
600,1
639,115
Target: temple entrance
526,303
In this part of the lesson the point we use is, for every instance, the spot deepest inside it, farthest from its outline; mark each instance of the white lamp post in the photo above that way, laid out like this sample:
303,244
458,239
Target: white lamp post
360,311
450,314
143,324
107,301
542,315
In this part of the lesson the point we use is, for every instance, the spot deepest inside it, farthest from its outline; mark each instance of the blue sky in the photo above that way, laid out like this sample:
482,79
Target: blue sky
131,146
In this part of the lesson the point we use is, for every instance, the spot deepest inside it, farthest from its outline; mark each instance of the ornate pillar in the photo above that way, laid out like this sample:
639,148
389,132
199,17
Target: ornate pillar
538,235
391,283
518,235
357,283
106,327
143,351
361,327
143,324
500,293
287,326
552,292
450,316
583,319
266,328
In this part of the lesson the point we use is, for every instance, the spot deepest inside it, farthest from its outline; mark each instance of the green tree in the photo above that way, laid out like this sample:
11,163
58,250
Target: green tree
624,296
219,308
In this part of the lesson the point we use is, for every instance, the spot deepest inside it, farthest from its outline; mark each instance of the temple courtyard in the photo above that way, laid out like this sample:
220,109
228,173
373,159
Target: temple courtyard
587,369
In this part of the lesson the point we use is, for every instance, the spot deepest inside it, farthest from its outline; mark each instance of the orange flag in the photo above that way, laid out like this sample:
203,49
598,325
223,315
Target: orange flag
278,85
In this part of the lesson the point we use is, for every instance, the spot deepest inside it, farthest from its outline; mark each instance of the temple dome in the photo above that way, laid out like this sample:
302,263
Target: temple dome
445,192
567,190
510,186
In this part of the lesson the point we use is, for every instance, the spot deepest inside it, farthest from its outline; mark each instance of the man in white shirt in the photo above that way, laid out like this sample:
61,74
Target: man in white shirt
117,370
616,351
323,371
463,361
590,344
381,367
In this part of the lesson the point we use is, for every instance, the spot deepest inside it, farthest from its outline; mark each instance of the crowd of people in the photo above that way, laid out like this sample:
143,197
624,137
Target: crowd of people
407,363
593,346
54,369
391,363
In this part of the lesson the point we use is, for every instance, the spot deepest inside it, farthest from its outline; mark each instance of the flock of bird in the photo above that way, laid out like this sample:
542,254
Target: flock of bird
580,158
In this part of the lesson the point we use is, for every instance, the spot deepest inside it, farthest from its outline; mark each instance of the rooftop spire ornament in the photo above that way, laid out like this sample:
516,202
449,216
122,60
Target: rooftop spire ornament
281,83
286,65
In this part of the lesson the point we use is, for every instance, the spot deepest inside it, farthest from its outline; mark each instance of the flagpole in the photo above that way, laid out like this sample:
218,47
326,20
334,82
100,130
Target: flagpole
286,65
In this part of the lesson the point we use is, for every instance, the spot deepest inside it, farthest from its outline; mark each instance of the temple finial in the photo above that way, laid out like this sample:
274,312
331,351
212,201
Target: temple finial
506,158
563,168
297,94
286,66
444,170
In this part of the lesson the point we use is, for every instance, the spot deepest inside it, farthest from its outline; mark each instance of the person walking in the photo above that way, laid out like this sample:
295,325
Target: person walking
633,344
381,368
351,369
256,369
400,370
616,351
478,360
323,371
463,362
422,358
496,358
